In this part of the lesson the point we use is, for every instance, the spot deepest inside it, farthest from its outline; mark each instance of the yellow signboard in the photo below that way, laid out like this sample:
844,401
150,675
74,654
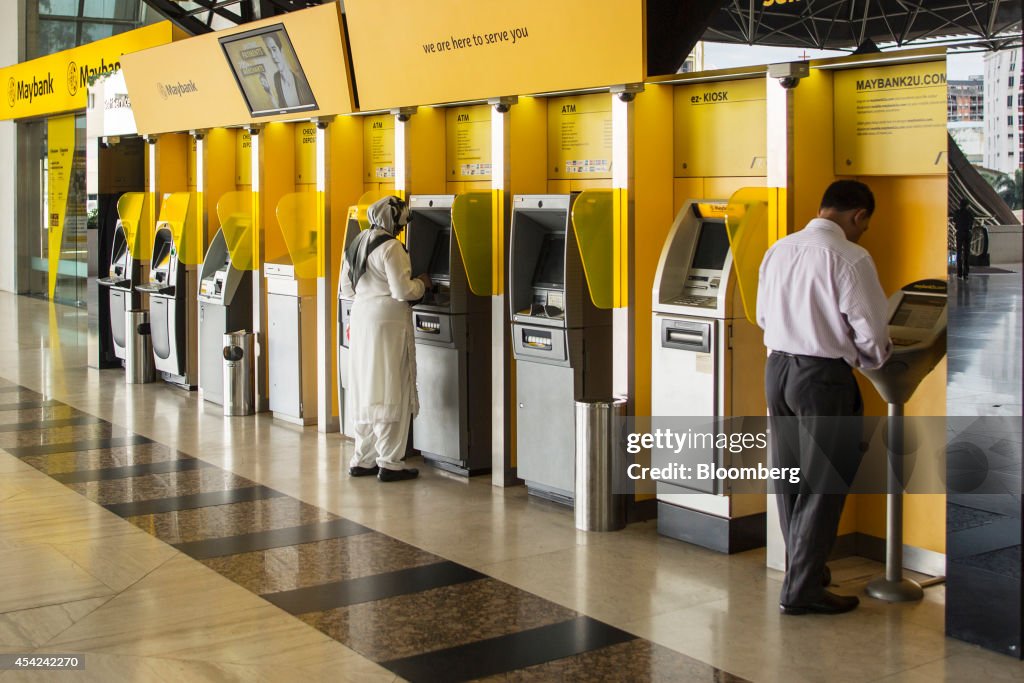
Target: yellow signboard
60,151
243,158
191,84
379,148
720,129
305,154
417,53
891,120
468,137
580,137
59,82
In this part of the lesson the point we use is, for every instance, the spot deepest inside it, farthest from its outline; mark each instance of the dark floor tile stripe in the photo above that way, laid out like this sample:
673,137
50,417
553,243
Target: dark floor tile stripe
275,538
78,446
370,588
508,653
184,464
52,424
189,502
25,405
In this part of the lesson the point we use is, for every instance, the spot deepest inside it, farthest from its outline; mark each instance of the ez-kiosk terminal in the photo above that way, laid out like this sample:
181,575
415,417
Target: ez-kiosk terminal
917,327
451,325
704,355
225,305
562,343
124,274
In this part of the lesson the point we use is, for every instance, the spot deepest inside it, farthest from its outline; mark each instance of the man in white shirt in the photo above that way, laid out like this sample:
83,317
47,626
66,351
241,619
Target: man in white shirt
823,313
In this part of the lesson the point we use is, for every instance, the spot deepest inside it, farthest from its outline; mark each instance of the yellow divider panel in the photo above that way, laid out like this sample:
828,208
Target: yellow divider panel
471,220
179,210
746,222
297,215
234,211
132,210
593,220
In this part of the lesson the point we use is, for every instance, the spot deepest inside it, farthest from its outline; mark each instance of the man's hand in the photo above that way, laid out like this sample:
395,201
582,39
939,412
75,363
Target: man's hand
425,279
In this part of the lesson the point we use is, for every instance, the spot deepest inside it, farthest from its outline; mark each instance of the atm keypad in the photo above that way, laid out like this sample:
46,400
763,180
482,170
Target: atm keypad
702,301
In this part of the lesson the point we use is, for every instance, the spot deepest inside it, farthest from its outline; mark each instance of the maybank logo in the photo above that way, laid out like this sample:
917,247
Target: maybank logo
72,79
18,90
12,92
178,89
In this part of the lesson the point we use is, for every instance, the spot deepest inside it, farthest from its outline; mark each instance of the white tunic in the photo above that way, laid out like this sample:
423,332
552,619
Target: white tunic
382,363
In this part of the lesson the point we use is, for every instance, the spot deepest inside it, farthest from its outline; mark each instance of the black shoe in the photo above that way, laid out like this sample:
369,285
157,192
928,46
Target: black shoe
397,475
828,603
357,471
826,577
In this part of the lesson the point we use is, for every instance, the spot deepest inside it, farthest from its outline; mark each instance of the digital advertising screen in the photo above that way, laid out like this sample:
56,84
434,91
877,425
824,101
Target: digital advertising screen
268,71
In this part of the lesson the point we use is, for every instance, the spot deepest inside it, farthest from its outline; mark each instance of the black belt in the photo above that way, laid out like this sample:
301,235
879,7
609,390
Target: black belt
811,358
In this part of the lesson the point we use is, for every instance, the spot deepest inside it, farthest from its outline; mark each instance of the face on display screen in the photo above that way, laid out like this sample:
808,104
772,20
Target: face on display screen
268,71
918,312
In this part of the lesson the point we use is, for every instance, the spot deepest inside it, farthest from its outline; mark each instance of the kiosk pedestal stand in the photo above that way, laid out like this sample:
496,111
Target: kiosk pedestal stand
917,326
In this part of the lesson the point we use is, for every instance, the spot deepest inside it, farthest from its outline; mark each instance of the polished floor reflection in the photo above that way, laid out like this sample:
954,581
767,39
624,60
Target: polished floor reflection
163,541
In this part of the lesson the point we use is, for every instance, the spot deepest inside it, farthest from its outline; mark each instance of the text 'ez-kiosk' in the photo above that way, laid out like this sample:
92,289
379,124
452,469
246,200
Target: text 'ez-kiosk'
172,291
225,299
452,331
562,343
704,355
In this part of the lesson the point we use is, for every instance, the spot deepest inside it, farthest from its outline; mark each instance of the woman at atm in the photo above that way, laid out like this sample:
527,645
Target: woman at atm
376,275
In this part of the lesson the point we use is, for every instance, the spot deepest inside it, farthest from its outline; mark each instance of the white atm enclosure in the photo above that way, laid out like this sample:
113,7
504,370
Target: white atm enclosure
707,361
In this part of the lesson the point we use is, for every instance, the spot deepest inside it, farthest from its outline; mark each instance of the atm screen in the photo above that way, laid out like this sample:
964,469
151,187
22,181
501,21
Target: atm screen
163,259
439,260
712,246
918,312
550,271
268,71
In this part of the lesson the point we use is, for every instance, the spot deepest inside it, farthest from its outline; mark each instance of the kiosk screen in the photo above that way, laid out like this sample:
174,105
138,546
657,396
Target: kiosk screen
918,312
268,72
439,260
550,273
712,246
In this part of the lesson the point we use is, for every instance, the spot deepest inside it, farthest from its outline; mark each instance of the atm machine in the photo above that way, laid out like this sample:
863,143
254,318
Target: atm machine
172,300
453,341
123,276
703,356
225,305
291,316
344,315
562,343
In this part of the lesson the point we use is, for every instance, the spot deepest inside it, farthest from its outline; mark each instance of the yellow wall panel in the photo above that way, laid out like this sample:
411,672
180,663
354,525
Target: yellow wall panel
528,146
427,151
277,145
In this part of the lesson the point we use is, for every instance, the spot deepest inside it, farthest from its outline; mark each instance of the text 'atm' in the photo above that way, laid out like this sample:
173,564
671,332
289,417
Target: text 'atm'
561,342
451,325
707,361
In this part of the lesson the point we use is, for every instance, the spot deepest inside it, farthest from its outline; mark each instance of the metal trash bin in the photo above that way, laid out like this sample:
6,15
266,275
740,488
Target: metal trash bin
239,391
138,348
599,463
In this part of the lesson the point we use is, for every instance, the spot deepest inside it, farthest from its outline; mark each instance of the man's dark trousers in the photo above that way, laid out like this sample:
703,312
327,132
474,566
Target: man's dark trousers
816,408
963,253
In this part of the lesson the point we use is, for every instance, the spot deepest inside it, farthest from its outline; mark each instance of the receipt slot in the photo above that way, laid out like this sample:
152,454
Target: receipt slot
225,305
707,361
452,329
562,343
917,327
120,282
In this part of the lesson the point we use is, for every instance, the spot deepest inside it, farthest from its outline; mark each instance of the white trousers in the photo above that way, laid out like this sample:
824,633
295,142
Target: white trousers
381,443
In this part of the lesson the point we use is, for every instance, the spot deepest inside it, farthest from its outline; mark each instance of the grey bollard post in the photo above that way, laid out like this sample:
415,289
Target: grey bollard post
138,342
598,465
239,368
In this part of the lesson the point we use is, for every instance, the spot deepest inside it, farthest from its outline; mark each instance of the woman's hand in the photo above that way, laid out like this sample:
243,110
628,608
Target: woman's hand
425,279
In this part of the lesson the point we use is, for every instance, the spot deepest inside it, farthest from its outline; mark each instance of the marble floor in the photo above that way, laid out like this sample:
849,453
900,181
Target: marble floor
160,541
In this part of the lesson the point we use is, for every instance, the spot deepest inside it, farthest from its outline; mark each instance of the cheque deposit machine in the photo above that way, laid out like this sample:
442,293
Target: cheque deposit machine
453,340
225,305
917,327
562,343
124,274
291,312
704,357
172,292
344,315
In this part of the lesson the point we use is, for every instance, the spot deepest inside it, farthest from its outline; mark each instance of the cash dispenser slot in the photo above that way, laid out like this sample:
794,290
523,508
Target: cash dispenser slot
687,336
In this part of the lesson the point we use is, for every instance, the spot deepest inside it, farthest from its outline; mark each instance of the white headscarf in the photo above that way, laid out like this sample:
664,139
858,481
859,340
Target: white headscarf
390,214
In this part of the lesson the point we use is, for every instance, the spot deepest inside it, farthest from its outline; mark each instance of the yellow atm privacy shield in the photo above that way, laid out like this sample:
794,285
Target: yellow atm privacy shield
234,211
891,120
415,53
471,220
593,221
746,222
179,209
131,208
292,66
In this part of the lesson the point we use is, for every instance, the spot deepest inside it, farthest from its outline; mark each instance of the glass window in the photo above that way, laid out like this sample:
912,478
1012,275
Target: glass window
65,8
111,9
55,36
91,31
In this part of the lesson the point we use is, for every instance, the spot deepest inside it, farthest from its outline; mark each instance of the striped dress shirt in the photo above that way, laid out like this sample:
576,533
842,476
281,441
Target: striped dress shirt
818,294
